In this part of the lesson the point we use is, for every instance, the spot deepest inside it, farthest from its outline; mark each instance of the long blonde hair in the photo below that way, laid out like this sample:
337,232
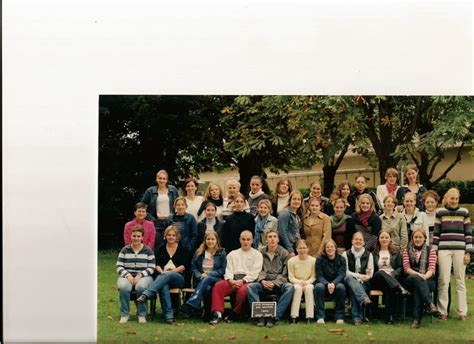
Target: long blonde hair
203,247
450,191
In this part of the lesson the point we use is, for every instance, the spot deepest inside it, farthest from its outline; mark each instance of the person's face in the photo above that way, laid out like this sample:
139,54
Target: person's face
211,241
295,201
214,192
284,187
389,204
263,210
409,203
411,176
239,204
453,200
330,250
345,191
314,207
210,212
232,189
364,204
180,207
161,179
430,204
191,189
246,240
316,190
140,213
418,239
358,241
384,239
255,185
391,179
272,240
339,209
302,249
171,237
361,184
137,238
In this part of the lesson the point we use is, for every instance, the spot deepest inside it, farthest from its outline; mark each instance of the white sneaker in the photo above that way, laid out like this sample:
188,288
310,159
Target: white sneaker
141,320
320,321
123,319
339,321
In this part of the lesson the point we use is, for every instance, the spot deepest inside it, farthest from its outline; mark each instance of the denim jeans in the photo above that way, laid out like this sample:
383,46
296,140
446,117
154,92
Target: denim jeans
339,295
420,290
203,291
162,285
284,292
125,288
358,292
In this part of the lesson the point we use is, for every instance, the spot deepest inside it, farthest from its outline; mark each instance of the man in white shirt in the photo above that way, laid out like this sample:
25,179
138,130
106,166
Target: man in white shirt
243,267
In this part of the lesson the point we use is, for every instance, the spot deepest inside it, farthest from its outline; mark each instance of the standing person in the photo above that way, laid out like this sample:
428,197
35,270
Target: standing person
367,221
209,223
160,200
430,200
290,224
316,226
387,273
193,200
330,273
395,222
171,260
342,226
236,224
344,192
302,273
419,264
360,189
360,269
213,194
390,187
148,227
256,194
186,224
208,268
412,185
135,265
413,216
316,189
243,267
263,223
452,238
272,279
282,196
232,188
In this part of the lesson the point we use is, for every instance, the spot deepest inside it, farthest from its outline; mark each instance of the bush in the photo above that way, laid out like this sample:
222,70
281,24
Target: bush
465,187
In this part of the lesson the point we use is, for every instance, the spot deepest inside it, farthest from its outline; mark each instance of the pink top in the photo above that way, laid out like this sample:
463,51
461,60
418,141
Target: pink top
148,237
431,261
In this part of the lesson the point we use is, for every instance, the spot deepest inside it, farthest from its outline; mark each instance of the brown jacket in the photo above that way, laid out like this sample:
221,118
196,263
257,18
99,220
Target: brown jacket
316,230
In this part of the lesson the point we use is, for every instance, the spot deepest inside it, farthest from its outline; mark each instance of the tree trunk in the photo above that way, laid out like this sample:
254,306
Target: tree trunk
329,175
250,166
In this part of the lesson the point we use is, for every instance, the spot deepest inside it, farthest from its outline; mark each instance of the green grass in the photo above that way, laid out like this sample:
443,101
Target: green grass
194,330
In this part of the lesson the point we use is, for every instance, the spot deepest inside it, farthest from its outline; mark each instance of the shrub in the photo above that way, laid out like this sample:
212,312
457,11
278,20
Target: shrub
465,187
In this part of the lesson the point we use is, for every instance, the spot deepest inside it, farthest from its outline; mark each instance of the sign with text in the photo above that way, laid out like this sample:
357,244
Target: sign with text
263,309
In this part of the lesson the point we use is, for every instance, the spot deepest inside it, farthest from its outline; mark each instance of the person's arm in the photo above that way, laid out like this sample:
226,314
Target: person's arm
403,233
376,224
291,273
348,271
468,235
312,277
397,269
380,193
406,264
193,232
220,266
252,274
436,231
431,265
127,234
320,278
283,224
425,224
326,232
120,265
283,276
146,198
341,270
229,269
196,267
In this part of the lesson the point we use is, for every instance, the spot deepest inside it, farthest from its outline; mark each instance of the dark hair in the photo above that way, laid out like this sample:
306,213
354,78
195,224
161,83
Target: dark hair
141,205
138,228
431,193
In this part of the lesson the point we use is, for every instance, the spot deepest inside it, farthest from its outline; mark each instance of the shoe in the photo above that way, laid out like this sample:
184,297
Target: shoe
320,321
309,321
141,320
339,321
443,317
169,321
357,322
389,320
462,318
185,311
142,298
271,322
215,319
366,302
292,321
232,317
123,319
261,322
431,309
415,324
403,291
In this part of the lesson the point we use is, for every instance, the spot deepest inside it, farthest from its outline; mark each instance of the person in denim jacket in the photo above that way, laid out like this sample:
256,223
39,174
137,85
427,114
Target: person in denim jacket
290,222
186,223
208,267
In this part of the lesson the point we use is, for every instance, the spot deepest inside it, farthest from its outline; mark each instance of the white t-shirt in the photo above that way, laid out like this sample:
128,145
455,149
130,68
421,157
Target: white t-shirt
163,205
194,205
384,262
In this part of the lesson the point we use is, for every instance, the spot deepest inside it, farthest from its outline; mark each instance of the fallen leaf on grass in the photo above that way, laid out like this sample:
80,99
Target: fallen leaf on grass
266,336
369,333
110,317
285,337
180,324
232,337
202,330
336,330
128,333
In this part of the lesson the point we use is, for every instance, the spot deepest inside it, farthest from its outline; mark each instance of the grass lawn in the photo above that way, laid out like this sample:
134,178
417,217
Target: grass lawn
194,330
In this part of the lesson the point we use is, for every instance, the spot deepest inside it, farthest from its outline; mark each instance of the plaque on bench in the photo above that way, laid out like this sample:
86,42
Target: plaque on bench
263,309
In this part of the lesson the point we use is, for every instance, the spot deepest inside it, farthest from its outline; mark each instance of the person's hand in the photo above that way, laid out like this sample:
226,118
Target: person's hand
203,276
267,284
130,279
238,283
467,258
136,279
303,284
159,269
331,288
291,254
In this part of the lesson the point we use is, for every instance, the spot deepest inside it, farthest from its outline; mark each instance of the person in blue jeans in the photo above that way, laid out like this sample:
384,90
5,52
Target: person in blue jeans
273,279
330,273
360,269
171,258
208,267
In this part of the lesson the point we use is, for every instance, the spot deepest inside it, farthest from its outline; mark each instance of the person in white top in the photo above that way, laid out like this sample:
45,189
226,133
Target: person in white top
194,201
414,217
390,187
430,200
243,267
232,190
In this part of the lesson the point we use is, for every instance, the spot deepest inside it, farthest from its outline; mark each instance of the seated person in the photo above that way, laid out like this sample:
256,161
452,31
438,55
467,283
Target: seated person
148,227
273,279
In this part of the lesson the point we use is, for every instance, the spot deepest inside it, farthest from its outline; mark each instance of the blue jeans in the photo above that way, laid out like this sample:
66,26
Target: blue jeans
421,291
358,292
203,291
125,288
339,295
162,285
284,292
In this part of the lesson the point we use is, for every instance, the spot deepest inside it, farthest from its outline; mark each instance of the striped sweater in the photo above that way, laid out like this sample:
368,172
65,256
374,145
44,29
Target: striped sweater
131,263
452,230
431,261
